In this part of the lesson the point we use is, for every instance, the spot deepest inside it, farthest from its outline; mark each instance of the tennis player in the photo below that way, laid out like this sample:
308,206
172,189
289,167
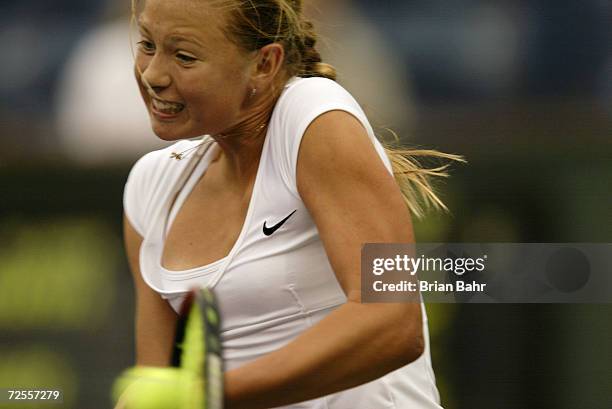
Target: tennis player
270,209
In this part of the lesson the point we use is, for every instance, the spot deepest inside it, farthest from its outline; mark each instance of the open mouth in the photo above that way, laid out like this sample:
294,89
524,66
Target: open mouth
165,107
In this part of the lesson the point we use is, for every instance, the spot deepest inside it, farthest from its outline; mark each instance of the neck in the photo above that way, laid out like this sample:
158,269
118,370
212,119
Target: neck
241,145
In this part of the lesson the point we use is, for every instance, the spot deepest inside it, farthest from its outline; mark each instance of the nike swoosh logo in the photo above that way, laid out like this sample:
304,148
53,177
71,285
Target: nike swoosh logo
269,230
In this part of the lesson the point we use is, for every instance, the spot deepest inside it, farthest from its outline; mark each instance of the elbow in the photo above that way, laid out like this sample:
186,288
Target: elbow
414,348
410,343
409,351
406,350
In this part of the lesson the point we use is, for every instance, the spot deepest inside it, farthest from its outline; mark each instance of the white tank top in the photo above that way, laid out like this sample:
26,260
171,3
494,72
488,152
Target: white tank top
271,288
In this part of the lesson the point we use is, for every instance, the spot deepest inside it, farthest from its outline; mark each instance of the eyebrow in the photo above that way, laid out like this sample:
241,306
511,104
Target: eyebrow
174,38
141,24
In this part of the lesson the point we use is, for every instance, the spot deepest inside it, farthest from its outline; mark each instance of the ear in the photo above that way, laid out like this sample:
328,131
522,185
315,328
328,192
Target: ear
269,62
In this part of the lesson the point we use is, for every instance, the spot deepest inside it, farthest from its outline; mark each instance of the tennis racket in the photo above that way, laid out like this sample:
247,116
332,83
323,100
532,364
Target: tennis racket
195,379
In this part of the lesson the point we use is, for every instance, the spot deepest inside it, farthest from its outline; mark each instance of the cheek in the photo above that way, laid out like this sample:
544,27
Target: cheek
138,68
214,111
209,108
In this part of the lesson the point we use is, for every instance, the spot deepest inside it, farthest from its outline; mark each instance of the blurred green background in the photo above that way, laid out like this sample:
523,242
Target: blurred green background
522,89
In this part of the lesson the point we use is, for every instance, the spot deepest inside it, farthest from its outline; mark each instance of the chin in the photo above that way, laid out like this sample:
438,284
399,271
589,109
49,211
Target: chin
167,135
172,132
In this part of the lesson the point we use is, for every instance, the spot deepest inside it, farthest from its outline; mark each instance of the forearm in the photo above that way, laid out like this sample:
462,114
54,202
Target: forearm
154,343
154,330
353,345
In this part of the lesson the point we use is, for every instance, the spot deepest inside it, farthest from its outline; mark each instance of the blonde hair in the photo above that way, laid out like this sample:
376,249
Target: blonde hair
414,180
253,24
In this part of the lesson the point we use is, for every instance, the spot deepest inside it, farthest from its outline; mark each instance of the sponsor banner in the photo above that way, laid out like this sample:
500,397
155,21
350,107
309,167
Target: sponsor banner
487,272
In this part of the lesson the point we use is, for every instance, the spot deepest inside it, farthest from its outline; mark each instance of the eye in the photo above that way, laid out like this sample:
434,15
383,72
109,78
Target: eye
185,59
146,46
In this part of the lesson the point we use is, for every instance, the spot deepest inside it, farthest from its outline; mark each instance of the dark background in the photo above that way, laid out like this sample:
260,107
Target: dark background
522,89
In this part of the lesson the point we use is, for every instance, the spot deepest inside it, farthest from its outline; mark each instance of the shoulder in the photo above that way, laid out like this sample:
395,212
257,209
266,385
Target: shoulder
148,181
313,93
156,164
299,84
303,101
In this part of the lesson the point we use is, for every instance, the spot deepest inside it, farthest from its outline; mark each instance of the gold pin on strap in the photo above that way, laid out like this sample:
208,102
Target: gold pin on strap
185,153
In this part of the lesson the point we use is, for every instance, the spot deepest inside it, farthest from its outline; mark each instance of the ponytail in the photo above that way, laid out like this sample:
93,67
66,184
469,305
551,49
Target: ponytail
310,59
414,180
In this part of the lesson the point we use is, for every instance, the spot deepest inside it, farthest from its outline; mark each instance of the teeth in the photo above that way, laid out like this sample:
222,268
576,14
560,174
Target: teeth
167,107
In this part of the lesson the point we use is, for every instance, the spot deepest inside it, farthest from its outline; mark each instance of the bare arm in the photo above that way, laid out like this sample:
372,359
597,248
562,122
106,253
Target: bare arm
155,319
353,200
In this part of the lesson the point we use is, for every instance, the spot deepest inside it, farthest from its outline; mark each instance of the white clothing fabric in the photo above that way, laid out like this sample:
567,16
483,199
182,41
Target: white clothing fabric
270,288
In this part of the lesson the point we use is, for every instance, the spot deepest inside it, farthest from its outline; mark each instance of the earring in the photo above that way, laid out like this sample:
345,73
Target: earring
253,92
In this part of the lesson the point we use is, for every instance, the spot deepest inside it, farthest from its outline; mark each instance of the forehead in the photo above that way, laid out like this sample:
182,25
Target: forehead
195,17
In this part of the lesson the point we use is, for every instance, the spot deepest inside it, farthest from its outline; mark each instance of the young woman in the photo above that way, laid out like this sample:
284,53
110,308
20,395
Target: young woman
270,208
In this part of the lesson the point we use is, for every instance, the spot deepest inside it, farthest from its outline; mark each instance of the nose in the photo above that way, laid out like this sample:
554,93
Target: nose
155,74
